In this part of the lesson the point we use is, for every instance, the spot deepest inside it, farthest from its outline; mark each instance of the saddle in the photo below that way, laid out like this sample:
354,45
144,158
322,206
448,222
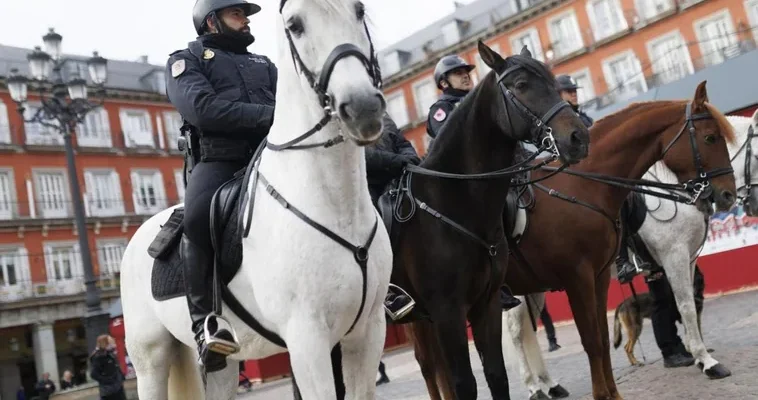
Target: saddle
167,275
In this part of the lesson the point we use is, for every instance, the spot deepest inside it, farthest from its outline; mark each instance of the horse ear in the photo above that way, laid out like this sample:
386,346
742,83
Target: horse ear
489,56
701,97
526,52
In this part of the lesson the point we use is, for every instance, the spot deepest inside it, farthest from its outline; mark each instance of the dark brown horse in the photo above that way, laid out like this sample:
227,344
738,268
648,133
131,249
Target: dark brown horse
570,246
450,251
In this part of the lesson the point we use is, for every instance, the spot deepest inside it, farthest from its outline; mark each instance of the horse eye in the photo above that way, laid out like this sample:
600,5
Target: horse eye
521,85
710,139
296,26
360,11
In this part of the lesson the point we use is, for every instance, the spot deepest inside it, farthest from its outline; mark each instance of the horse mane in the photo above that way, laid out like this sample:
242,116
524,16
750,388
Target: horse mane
726,128
740,125
533,65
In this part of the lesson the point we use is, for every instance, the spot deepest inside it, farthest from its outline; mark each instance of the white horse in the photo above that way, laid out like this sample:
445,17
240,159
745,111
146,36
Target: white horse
673,234
298,283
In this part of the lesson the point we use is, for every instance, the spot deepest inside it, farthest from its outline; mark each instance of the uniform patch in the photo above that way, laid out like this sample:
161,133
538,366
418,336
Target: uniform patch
440,115
208,54
258,60
177,68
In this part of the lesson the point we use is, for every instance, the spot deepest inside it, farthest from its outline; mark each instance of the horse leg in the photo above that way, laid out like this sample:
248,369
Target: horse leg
153,353
517,327
682,287
601,302
454,342
534,353
583,301
426,350
361,352
487,327
222,385
310,358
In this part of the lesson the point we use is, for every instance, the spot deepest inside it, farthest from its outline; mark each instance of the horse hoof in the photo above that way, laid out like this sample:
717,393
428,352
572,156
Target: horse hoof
717,371
558,392
539,395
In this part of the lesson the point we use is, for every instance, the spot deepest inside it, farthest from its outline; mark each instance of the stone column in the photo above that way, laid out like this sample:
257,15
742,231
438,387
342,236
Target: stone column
45,355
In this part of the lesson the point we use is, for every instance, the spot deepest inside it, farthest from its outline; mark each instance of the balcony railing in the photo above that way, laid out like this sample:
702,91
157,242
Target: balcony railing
26,290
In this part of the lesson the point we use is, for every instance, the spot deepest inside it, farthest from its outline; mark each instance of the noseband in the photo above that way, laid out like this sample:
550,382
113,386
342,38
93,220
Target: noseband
541,132
321,85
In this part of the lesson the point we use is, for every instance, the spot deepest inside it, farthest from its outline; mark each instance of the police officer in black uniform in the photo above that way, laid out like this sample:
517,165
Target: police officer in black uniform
226,96
453,76
567,87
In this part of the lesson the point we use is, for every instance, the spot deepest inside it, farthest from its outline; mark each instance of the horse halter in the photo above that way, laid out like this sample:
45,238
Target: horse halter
748,148
701,185
541,132
321,85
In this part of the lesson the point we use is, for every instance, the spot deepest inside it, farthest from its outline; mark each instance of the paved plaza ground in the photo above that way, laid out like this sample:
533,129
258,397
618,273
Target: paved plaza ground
730,325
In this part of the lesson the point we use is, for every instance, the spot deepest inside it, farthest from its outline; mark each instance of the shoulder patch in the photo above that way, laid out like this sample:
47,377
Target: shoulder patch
177,67
440,115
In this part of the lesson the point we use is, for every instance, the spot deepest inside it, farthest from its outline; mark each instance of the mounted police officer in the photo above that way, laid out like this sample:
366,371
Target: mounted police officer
226,96
567,87
452,75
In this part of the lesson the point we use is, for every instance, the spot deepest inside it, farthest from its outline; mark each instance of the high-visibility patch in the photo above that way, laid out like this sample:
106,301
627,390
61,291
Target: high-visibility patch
440,115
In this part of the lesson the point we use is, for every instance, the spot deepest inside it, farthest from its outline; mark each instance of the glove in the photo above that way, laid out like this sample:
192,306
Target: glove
413,160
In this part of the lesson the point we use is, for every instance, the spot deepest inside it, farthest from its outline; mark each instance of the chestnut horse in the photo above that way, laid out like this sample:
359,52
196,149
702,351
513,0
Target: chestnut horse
450,251
572,237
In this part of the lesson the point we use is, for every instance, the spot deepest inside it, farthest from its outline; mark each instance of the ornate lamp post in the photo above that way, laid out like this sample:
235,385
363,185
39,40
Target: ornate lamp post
64,105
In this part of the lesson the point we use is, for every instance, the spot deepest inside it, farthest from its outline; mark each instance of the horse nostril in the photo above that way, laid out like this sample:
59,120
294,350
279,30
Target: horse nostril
576,137
343,111
728,196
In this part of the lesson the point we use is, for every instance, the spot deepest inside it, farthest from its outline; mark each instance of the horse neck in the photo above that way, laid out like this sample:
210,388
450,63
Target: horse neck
472,143
627,144
331,180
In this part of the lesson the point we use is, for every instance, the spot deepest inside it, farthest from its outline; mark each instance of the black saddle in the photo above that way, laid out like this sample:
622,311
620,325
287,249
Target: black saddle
226,229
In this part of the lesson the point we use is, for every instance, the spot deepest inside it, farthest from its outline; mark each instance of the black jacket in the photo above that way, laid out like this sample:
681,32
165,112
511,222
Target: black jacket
104,369
44,392
386,158
223,93
440,111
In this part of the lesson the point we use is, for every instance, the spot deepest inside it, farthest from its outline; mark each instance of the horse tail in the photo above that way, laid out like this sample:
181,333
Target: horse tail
428,352
616,328
184,381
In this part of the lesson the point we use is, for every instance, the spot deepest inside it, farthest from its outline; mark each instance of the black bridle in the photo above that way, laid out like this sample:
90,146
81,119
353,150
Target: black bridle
692,189
320,86
747,147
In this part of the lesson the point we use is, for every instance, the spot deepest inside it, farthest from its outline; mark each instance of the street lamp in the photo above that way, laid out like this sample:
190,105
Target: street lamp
64,105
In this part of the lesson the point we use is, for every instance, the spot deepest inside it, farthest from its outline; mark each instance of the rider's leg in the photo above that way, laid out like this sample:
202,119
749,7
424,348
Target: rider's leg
626,270
507,301
197,253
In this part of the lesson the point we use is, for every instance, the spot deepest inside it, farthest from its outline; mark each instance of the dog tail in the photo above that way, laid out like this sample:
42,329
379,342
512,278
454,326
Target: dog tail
617,328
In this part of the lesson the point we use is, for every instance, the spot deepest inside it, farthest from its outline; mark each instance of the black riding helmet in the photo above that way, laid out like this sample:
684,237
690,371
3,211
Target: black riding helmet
203,8
447,64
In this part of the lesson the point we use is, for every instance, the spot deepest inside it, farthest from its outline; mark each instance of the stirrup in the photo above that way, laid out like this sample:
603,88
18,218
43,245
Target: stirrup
217,345
637,269
403,311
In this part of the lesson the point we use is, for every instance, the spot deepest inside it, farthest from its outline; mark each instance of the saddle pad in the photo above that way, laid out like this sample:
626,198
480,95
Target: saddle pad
167,279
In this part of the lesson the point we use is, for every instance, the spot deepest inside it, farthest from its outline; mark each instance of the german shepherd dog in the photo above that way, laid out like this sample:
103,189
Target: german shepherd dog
630,314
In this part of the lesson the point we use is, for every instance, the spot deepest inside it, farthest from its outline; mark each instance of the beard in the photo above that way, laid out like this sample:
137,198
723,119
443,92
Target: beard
241,37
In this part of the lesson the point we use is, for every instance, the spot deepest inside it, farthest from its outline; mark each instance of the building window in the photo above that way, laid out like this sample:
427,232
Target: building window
483,69
138,130
624,76
670,58
95,131
529,38
7,194
717,37
751,7
52,193
38,134
425,92
586,91
103,193
564,34
14,274
180,189
5,126
109,255
397,109
64,268
391,63
650,9
606,18
451,32
149,194
172,123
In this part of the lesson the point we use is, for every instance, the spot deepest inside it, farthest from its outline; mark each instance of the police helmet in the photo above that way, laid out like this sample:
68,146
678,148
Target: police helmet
204,7
447,64
566,82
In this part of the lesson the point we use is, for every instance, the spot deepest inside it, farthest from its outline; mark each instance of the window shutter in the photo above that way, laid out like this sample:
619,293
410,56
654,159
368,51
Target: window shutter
118,198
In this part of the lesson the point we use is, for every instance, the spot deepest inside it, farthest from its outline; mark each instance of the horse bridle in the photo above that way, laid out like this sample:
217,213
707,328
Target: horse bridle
541,132
747,147
321,85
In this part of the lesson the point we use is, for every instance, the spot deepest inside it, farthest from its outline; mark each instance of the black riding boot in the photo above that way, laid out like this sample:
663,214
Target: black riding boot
506,298
198,272
626,270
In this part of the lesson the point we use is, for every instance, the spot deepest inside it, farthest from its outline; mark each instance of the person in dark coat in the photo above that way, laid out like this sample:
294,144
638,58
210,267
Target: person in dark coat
67,382
568,89
106,371
452,75
226,96
45,387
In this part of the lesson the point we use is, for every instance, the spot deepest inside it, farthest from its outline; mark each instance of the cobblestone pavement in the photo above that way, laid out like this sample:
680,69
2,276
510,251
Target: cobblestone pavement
731,328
